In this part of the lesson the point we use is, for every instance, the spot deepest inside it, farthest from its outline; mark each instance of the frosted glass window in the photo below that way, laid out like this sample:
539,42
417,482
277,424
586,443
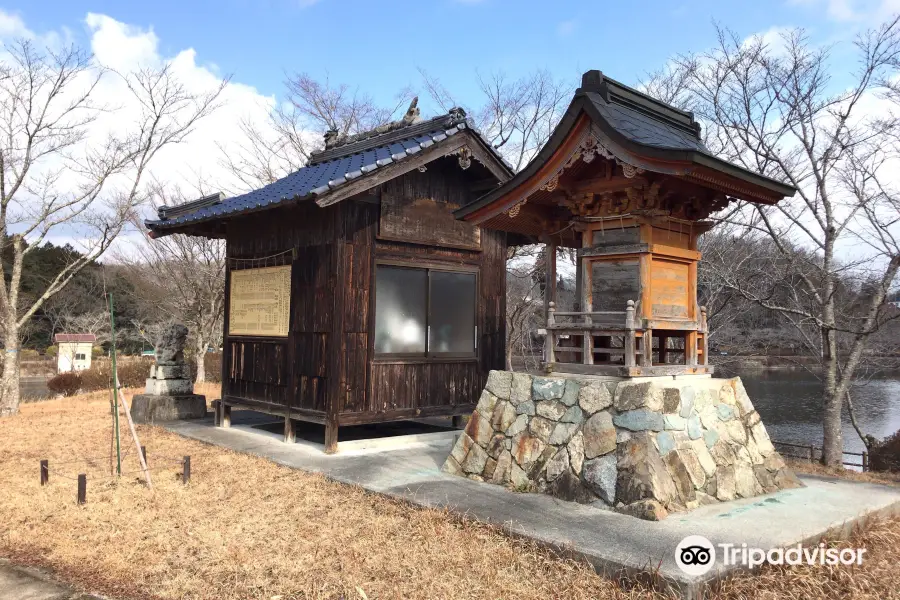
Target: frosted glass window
452,318
400,308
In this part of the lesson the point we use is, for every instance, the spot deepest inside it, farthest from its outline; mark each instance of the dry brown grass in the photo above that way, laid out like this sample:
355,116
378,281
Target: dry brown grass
247,528
814,468
244,527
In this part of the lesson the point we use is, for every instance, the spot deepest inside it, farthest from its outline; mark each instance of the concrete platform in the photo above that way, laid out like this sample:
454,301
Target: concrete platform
22,583
610,541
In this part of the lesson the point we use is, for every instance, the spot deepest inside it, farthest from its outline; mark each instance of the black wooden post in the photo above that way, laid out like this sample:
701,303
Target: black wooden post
186,470
45,472
82,488
144,454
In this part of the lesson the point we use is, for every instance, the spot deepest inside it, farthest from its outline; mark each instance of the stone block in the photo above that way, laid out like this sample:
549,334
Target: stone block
600,474
681,477
694,428
475,461
502,470
569,487
725,484
671,398
687,401
170,372
631,396
517,477
676,422
496,446
573,415
451,466
665,443
594,397
722,453
527,449
518,426
557,465
486,403
504,415
150,408
725,411
169,387
733,431
170,345
520,390
707,462
489,466
545,388
692,464
541,427
570,395
708,416
745,484
710,436
479,429
461,448
761,437
599,435
562,433
551,409
499,384
639,420
642,472
648,510
525,408
726,394
576,452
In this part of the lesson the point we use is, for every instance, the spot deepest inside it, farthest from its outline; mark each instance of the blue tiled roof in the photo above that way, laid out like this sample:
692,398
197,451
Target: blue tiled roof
354,160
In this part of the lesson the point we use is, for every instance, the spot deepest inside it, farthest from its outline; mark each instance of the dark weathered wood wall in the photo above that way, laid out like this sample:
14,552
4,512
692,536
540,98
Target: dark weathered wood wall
326,368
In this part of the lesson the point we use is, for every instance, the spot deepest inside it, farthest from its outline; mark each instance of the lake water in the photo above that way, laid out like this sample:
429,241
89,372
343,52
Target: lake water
790,404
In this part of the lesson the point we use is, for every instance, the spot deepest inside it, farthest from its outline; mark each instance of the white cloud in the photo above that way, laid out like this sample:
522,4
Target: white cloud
12,26
125,48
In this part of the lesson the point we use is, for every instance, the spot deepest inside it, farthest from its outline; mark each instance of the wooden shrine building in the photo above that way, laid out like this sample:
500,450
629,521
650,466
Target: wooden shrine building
353,295
626,180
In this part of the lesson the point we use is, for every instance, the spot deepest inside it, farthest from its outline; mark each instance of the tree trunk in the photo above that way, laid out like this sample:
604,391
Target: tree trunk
9,381
200,374
833,401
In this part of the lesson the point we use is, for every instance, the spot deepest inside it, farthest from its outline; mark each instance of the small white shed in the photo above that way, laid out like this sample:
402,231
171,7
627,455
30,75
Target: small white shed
74,351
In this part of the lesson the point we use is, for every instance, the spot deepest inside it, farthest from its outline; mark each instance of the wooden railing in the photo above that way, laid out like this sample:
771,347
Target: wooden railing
636,347
591,324
813,453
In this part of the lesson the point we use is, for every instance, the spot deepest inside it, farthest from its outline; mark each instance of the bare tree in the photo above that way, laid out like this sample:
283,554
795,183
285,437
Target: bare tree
294,129
54,178
183,278
775,110
516,115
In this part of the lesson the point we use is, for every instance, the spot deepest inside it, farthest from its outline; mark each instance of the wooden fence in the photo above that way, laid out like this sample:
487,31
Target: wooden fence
813,453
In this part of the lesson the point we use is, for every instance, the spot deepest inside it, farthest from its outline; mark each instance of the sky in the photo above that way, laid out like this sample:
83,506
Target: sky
378,47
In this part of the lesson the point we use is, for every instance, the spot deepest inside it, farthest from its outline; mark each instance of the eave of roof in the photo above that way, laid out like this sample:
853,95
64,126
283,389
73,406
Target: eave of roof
678,143
330,171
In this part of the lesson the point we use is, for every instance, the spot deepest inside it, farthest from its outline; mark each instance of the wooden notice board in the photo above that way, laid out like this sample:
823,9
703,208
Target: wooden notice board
260,302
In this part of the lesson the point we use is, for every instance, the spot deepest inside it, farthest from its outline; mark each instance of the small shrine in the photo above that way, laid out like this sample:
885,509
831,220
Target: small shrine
627,416
626,180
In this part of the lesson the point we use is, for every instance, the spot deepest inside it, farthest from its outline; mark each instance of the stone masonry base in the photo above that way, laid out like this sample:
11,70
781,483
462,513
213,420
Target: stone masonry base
645,446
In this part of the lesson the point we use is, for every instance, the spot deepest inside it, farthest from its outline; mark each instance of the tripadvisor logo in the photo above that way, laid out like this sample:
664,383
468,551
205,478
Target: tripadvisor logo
695,555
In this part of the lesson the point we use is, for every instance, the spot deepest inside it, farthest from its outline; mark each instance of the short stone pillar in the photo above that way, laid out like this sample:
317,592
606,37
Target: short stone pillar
169,395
